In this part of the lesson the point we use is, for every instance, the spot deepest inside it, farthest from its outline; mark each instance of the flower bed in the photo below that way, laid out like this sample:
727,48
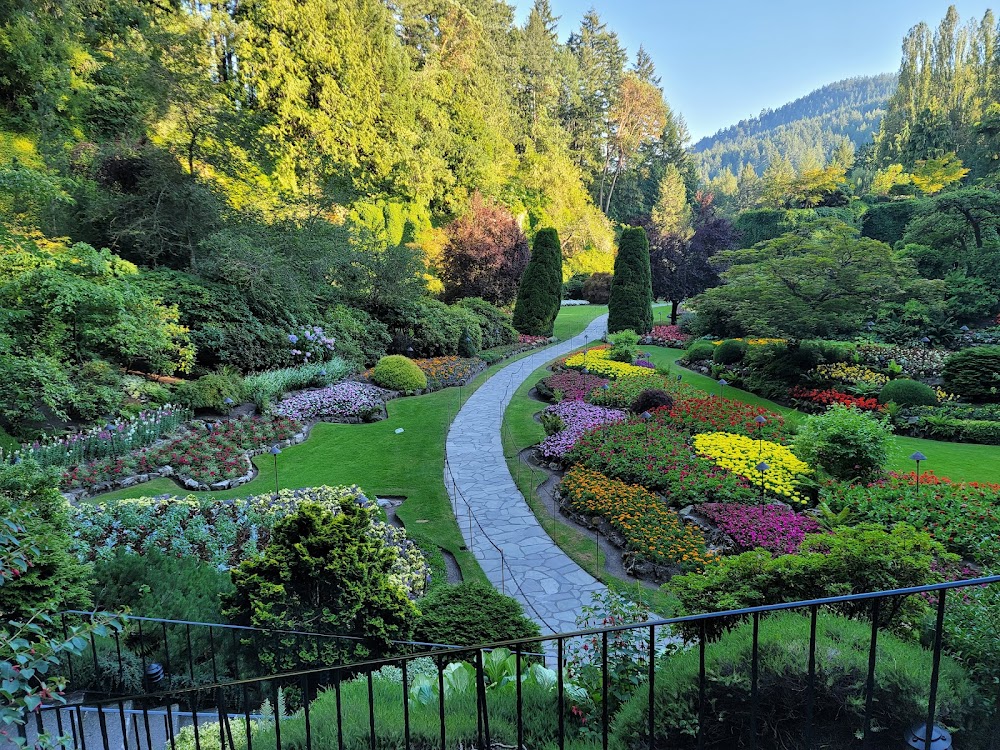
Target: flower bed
349,400
669,336
443,372
223,533
776,528
101,442
722,415
810,398
963,516
526,340
597,362
917,362
760,341
579,417
206,457
841,372
660,459
571,384
623,392
651,531
741,455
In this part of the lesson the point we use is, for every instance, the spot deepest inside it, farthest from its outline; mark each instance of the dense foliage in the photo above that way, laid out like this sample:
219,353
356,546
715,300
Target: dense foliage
540,293
631,299
470,614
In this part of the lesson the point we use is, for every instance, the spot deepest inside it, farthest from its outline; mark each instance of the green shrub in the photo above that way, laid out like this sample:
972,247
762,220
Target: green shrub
268,387
573,287
980,431
974,373
851,560
699,350
361,339
494,323
906,392
630,305
540,291
211,391
437,329
902,681
470,614
844,442
774,368
833,351
729,352
624,346
399,373
887,222
98,391
597,289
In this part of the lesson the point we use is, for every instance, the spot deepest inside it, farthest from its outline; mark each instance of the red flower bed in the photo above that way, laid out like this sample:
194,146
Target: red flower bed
669,336
696,415
523,338
829,396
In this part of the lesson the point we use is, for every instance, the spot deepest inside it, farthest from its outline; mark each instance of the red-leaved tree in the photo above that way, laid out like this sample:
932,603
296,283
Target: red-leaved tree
486,254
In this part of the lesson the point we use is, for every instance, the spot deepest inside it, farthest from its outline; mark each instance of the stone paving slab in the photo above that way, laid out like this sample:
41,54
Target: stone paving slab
552,588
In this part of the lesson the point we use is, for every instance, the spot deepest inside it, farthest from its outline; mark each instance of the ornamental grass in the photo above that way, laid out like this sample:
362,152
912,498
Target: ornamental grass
741,455
651,530
597,362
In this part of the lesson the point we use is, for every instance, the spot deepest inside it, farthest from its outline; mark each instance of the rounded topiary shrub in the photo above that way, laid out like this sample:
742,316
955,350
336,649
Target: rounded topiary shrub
845,443
699,350
398,373
906,392
652,398
470,614
729,352
974,373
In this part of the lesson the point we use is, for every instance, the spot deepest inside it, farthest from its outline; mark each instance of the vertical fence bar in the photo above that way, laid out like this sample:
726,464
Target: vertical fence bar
604,690
236,655
870,683
340,711
562,693
166,649
702,639
118,652
754,669
135,733
222,719
520,697
59,722
142,649
149,735
124,723
190,654
651,681
406,708
83,732
440,666
194,723
371,711
935,668
211,648
104,726
811,687
72,729
93,653
69,660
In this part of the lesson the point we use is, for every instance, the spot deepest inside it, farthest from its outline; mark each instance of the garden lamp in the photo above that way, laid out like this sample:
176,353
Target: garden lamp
646,415
154,674
965,329
869,325
678,378
722,386
229,404
925,340
111,434
760,419
275,451
409,352
606,387
922,738
762,467
918,457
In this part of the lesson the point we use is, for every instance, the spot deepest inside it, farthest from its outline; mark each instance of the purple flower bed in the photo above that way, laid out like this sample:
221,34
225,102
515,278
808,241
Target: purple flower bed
578,417
776,528
645,363
574,385
339,401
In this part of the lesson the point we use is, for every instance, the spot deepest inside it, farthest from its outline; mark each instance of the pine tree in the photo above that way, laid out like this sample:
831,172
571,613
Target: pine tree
631,303
541,287
671,214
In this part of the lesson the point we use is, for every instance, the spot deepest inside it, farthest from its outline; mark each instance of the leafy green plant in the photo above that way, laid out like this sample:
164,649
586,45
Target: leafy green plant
974,373
266,388
624,346
399,373
906,392
699,350
845,442
552,423
211,391
470,614
729,352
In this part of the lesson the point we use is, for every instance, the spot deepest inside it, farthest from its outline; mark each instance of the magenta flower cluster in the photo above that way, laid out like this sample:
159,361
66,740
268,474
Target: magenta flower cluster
579,417
573,384
339,401
776,528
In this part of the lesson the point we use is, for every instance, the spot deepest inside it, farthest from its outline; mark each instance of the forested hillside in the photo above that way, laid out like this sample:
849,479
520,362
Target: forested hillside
806,131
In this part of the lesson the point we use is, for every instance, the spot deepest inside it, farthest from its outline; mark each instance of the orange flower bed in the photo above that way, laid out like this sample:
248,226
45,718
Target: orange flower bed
652,531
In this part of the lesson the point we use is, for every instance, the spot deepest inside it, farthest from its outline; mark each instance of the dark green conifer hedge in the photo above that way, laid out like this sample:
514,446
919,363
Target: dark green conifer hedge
541,286
631,302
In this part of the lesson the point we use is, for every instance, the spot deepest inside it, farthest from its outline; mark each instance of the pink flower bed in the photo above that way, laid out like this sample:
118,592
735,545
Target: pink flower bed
573,384
579,417
532,340
778,529
670,336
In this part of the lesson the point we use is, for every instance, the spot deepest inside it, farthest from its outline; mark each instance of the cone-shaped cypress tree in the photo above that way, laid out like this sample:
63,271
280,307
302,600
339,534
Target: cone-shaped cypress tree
540,292
631,302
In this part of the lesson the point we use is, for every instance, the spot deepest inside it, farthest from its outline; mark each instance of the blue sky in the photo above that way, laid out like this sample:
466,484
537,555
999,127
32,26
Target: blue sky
723,60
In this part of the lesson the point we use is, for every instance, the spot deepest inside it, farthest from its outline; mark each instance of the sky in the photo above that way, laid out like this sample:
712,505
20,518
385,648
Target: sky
724,60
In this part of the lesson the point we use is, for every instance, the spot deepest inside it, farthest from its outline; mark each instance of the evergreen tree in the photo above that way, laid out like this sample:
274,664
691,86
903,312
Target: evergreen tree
671,214
631,302
541,287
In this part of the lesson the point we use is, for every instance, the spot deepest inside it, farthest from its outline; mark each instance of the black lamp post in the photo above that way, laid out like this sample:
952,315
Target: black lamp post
229,404
964,329
722,386
409,352
275,451
760,419
918,457
646,415
762,467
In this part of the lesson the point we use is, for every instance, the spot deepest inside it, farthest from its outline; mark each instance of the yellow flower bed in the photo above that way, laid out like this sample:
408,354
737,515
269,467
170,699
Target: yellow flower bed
754,342
596,360
845,373
740,455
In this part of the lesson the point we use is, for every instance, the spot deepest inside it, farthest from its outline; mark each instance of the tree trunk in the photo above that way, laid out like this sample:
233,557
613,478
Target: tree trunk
674,304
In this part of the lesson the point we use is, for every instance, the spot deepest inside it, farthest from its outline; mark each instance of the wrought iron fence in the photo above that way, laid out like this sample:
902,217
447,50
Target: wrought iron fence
439,703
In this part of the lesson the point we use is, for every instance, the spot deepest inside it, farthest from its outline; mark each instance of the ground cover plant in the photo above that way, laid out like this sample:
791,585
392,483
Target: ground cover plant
569,384
776,528
347,400
442,372
577,418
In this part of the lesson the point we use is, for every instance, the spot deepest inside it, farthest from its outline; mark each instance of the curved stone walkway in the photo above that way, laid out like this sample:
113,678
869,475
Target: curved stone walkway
547,582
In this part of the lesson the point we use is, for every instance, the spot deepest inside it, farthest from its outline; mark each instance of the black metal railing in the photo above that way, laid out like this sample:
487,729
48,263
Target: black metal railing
687,690
152,653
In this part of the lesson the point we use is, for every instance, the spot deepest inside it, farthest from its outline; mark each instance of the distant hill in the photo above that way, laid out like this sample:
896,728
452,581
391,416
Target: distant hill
806,130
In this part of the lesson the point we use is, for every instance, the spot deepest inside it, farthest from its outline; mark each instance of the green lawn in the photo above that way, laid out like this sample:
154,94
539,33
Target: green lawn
373,456
961,461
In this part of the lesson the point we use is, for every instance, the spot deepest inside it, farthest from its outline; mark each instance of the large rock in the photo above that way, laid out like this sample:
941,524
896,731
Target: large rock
223,485
166,471
191,484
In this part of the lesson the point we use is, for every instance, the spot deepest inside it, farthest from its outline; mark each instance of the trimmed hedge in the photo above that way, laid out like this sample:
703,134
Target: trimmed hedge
399,373
699,350
906,392
630,305
729,352
470,614
974,373
540,292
